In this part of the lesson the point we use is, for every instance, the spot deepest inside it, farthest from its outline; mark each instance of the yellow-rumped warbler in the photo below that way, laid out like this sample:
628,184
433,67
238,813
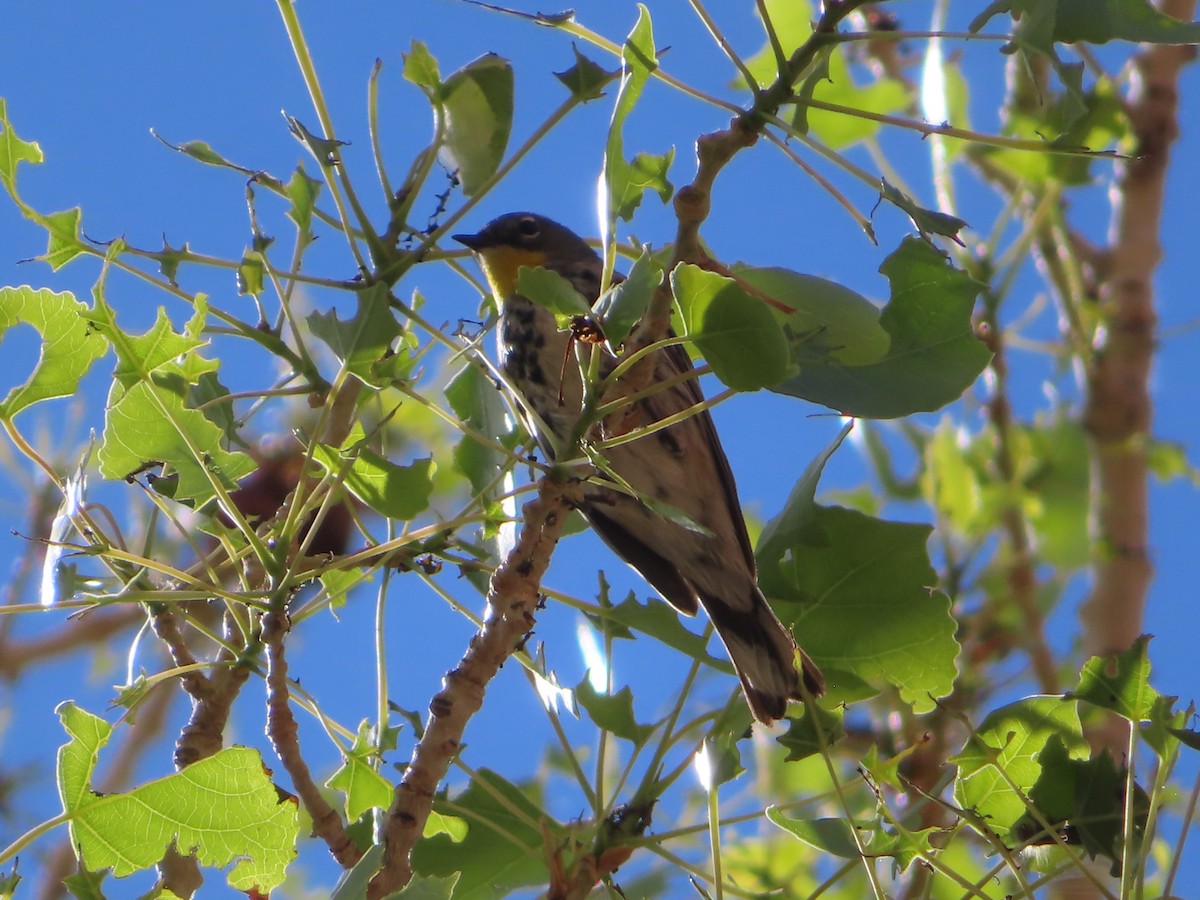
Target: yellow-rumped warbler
681,466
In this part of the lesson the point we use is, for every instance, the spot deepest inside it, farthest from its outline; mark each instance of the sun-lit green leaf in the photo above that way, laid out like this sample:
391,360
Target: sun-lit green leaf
476,103
359,779
1002,756
398,492
251,273
69,345
364,341
827,324
14,151
421,68
65,242
148,417
223,808
835,83
791,20
1094,120
302,192
736,331
718,761
1119,683
627,181
612,712
503,819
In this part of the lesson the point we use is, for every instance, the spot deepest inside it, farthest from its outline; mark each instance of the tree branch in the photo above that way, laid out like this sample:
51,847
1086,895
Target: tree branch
283,733
512,599
1118,413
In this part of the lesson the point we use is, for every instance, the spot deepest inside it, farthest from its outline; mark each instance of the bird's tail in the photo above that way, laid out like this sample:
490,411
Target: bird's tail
763,653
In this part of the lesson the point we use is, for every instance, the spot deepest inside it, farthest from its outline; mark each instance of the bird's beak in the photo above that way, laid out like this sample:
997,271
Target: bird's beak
472,241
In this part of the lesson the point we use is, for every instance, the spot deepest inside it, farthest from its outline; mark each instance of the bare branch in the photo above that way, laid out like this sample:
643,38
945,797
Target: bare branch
512,599
283,733
1119,412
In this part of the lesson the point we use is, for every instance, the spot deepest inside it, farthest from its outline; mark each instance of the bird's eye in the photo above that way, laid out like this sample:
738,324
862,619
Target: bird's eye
529,227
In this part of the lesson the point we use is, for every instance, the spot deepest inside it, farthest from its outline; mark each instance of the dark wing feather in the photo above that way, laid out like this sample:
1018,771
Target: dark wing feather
663,576
679,360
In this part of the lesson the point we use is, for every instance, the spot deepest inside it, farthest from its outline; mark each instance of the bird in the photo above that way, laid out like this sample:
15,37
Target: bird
681,466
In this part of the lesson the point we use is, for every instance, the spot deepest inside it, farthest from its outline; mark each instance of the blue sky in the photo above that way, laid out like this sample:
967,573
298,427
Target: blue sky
90,86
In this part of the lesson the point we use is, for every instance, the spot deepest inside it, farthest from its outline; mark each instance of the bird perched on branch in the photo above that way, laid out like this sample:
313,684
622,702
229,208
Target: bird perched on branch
681,466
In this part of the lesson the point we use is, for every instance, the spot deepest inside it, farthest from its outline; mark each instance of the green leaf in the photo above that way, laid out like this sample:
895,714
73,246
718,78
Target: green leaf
302,192
1010,741
627,182
841,838
1073,120
223,809
13,152
585,80
802,739
84,885
476,105
148,419
549,289
928,221
474,398
503,848
251,273
398,492
1091,21
791,20
933,354
833,82
169,259
613,712
661,622
365,341
737,333
323,149
338,584
203,152
358,779
421,68
625,303
451,826
1058,476
1120,683
718,761
64,243
828,324
1084,800
69,346
834,566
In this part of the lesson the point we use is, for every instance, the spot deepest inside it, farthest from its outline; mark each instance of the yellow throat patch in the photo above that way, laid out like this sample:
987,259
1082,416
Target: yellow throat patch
502,263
